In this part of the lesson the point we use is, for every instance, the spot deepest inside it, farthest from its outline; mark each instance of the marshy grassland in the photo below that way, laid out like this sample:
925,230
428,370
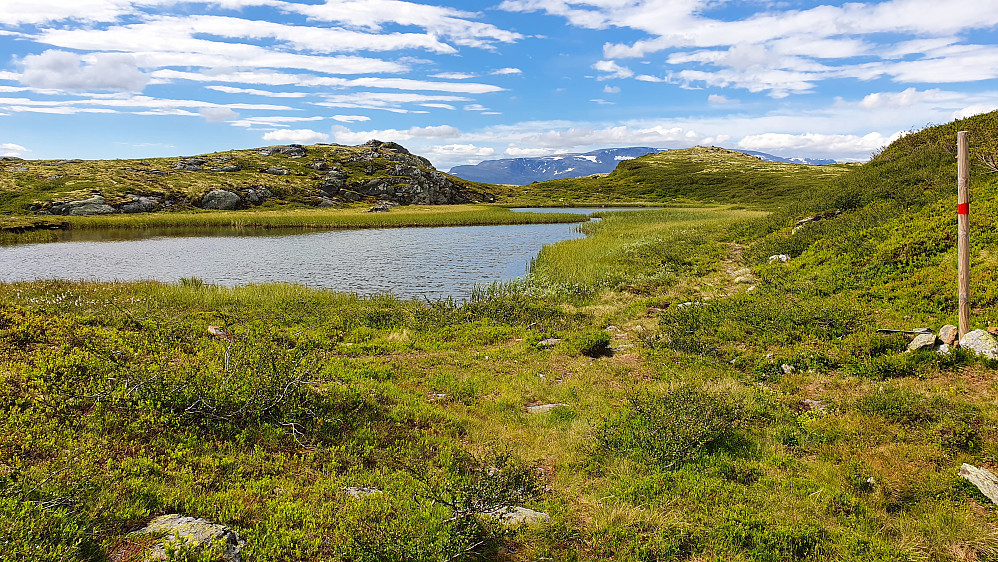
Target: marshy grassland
18,228
712,404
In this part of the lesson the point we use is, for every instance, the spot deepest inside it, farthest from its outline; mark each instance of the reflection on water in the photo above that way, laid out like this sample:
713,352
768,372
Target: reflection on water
408,262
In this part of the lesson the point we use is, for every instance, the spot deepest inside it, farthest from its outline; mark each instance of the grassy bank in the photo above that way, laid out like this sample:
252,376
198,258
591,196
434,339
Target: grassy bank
711,405
318,219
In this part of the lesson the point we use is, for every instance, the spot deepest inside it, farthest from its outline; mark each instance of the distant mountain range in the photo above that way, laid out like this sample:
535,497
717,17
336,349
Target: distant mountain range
523,171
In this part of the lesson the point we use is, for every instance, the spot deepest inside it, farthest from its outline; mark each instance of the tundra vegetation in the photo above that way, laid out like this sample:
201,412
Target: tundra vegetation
713,404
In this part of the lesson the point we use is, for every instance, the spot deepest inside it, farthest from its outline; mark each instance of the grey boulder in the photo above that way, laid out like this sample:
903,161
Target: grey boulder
194,533
221,200
981,343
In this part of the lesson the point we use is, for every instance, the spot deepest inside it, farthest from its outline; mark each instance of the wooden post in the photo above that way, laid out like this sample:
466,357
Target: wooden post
963,228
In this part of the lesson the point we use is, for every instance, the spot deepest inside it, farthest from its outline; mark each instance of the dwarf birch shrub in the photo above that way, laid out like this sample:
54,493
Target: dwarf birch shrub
669,429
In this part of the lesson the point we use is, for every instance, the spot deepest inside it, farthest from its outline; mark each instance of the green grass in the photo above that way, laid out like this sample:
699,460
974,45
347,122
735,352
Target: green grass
692,440
12,230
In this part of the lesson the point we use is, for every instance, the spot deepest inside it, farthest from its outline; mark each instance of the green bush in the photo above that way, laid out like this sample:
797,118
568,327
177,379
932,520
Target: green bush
669,429
592,343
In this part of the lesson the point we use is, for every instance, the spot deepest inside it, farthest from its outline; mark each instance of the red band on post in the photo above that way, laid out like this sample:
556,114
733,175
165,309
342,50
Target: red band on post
963,209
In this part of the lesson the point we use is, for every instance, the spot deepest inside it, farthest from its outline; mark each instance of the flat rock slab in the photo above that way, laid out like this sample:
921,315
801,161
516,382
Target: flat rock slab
193,532
984,479
544,408
517,516
360,491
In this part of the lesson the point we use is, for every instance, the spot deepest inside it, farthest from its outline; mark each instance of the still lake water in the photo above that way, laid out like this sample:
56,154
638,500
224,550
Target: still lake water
419,263
408,262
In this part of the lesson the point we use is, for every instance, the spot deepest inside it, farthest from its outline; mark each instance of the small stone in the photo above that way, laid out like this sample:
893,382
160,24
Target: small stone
360,491
544,408
922,341
980,342
814,405
741,272
942,349
277,171
779,258
745,279
549,342
948,334
379,209
788,369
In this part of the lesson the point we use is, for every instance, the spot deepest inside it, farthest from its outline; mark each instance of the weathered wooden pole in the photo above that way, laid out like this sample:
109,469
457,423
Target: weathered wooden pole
963,227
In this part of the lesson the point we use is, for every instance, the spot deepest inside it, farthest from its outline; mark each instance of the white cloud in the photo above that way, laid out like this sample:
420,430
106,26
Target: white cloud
608,89
438,106
217,114
906,98
718,99
787,51
453,75
296,136
11,149
254,92
346,136
271,121
310,80
815,144
351,118
602,102
506,71
975,109
436,20
461,150
612,70
62,70
517,152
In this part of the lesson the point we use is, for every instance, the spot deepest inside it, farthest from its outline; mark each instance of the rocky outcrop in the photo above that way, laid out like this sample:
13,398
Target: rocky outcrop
139,204
224,200
92,206
229,168
277,171
408,180
190,165
290,150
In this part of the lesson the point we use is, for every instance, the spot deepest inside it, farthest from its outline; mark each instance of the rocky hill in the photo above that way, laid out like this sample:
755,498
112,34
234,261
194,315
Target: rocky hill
322,175
704,174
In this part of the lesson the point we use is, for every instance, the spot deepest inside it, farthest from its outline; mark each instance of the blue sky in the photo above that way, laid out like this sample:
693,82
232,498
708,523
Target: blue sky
460,82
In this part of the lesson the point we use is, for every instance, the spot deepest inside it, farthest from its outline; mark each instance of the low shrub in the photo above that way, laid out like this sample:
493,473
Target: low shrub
669,429
592,343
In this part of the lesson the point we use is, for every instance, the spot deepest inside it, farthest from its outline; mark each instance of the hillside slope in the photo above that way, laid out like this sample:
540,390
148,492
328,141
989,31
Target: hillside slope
319,175
698,174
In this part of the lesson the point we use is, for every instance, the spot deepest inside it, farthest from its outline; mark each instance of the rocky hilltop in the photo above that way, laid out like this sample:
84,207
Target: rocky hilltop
322,175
